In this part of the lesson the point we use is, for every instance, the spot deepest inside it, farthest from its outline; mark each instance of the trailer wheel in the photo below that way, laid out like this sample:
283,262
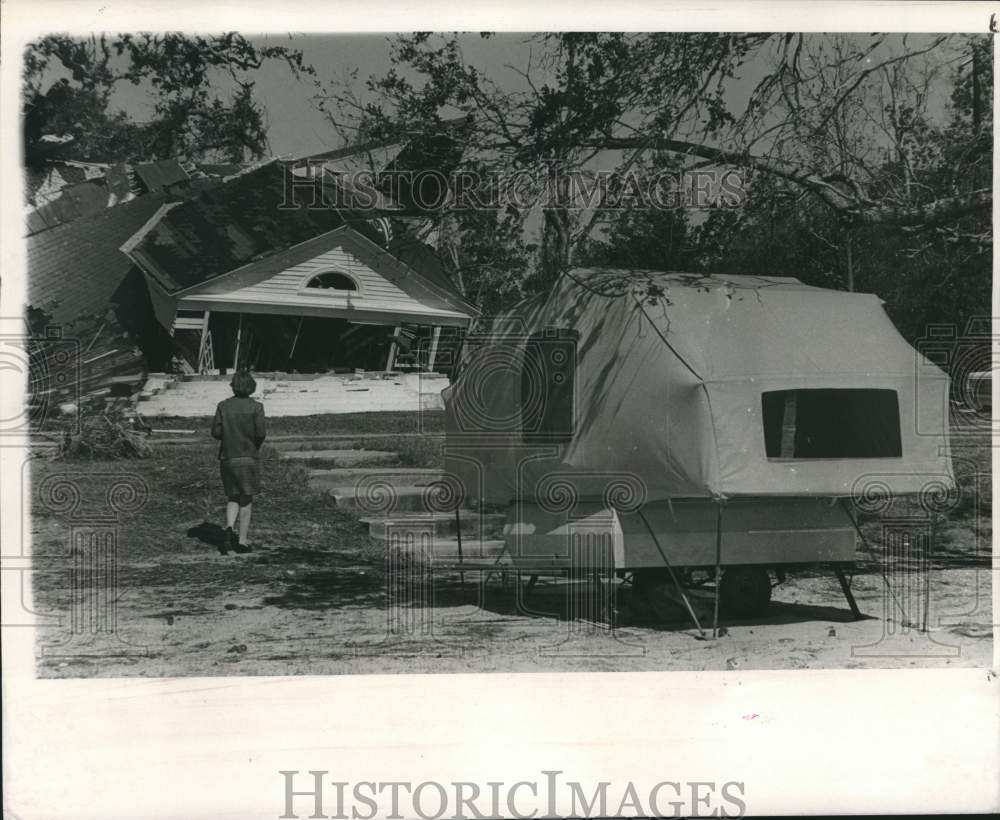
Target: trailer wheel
646,580
745,592
655,597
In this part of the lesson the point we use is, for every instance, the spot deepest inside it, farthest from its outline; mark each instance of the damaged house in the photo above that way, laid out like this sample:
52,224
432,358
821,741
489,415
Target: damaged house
200,269
80,288
261,272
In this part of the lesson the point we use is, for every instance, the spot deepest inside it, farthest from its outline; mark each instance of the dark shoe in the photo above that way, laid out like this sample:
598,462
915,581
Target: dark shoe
242,549
229,541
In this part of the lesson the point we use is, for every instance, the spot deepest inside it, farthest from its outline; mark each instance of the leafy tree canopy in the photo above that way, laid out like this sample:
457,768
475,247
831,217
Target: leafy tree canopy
866,158
69,86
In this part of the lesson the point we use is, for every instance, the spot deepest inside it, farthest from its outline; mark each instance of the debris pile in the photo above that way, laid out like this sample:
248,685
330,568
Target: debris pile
91,358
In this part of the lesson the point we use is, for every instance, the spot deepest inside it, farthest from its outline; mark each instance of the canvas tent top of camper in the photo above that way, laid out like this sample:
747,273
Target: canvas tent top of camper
697,386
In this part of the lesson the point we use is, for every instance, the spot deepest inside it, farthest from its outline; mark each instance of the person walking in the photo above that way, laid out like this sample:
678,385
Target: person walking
240,427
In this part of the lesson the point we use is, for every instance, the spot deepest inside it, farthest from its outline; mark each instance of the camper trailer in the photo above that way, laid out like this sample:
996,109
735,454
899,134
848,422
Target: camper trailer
665,427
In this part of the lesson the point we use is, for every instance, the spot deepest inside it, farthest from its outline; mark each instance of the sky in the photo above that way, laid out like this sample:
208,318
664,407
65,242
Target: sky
296,127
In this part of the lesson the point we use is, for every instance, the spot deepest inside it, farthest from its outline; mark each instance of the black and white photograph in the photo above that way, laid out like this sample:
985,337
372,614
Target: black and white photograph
547,352
391,353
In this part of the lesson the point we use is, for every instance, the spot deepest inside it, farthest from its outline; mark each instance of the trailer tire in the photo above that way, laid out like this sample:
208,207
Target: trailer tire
745,591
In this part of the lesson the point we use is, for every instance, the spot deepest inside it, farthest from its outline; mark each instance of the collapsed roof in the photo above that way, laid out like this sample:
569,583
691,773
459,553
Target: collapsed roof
242,220
75,268
63,191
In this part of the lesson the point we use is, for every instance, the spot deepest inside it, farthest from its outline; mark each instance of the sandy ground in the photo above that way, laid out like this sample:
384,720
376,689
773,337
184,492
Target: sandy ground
311,598
279,612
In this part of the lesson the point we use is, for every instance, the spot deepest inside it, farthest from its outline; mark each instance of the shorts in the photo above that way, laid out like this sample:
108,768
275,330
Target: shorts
240,476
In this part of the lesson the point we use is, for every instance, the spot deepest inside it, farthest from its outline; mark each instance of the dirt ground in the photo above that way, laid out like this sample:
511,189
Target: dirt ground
200,621
311,598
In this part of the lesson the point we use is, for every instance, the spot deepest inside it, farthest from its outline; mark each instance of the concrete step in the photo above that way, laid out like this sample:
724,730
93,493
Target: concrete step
305,444
377,499
339,441
326,479
381,498
343,458
443,525
316,441
445,550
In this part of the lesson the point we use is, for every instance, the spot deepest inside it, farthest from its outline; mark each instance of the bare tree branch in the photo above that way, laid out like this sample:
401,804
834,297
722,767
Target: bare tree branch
849,203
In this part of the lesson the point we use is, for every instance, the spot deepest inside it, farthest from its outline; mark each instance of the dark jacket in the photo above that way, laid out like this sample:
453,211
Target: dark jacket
239,425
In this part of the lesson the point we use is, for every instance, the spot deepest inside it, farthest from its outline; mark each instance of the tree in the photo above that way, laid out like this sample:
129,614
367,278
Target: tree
796,122
576,89
643,238
69,83
840,119
928,271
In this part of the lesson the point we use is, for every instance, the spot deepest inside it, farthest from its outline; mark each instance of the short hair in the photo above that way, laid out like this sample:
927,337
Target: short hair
243,383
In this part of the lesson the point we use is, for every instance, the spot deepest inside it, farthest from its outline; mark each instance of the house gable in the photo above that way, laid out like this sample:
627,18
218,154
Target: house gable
386,288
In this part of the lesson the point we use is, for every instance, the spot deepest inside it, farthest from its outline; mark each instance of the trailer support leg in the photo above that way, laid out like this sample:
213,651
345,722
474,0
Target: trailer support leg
718,570
522,591
848,594
458,535
531,585
927,584
673,576
497,568
871,553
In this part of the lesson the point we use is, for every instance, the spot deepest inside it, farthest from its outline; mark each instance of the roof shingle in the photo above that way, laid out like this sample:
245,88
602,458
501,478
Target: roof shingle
243,219
75,268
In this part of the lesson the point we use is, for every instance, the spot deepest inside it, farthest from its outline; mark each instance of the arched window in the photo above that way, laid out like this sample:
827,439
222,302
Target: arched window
332,280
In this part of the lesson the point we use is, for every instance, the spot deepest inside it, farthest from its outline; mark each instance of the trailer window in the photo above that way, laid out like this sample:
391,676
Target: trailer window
548,386
804,424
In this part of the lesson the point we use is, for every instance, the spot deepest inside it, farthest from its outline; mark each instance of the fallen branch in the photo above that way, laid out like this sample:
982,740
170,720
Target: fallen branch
850,203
